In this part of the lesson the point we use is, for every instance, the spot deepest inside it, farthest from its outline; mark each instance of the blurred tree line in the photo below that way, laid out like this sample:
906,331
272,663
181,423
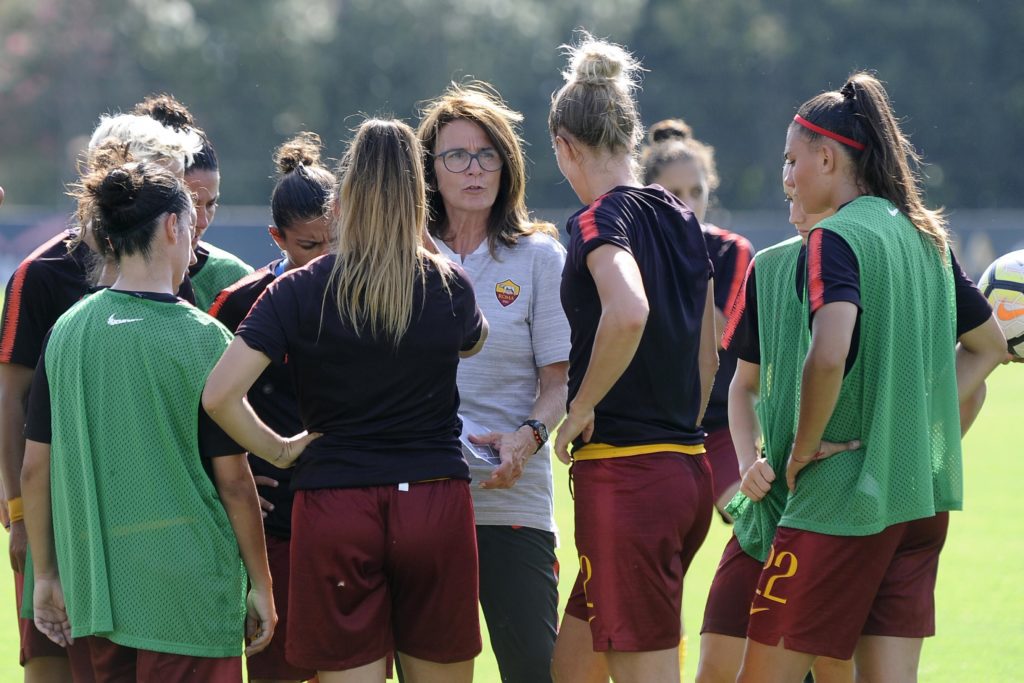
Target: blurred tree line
256,71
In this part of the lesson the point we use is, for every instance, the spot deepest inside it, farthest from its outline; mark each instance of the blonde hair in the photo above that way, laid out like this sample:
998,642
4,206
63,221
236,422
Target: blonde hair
596,103
479,103
382,201
148,140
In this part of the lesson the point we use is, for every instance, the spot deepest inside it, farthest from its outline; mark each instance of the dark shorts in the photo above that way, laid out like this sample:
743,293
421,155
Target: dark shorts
519,597
33,642
819,593
725,468
639,522
377,569
113,663
271,663
728,608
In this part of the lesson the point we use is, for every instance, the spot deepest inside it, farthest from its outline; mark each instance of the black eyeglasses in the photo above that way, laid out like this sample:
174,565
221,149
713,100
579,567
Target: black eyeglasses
458,160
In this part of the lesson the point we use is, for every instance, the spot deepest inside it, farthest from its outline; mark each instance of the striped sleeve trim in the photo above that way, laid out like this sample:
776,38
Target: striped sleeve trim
10,325
744,253
739,306
815,284
226,293
588,222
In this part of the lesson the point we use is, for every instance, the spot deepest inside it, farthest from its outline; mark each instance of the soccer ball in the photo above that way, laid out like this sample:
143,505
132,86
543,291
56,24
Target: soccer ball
1003,286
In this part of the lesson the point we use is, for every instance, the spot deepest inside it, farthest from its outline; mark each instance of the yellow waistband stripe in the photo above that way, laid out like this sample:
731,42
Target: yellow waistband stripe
601,451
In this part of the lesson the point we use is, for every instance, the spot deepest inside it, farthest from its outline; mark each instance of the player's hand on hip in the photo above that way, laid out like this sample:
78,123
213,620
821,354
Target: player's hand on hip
49,611
514,449
579,422
266,507
826,449
260,620
292,448
757,480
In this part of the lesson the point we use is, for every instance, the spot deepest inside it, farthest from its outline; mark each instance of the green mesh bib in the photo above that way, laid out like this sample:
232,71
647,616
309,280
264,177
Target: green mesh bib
783,338
146,553
221,270
900,396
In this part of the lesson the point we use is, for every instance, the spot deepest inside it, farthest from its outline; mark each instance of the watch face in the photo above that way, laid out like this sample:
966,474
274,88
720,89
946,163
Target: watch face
542,430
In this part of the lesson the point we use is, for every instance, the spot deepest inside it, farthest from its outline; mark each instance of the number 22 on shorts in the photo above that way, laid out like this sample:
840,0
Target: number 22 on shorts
784,561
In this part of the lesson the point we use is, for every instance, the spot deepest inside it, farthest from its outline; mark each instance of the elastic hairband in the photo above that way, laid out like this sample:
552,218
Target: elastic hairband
849,142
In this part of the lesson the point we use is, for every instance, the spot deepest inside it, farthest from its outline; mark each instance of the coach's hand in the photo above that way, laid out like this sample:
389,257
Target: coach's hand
514,448
17,546
757,480
578,422
49,611
266,507
260,619
826,449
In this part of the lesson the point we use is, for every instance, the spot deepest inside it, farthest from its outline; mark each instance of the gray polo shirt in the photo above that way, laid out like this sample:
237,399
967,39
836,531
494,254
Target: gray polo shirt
519,295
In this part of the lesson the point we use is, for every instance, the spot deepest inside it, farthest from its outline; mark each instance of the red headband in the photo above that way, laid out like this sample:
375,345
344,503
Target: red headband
849,142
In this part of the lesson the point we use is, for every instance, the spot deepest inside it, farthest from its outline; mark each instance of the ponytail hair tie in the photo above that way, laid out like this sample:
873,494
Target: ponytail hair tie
848,91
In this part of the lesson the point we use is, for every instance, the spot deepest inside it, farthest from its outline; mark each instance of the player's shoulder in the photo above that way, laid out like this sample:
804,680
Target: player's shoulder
726,239
538,245
244,292
223,257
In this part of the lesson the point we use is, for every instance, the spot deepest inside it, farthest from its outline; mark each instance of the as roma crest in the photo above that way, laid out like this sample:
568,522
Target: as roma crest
507,292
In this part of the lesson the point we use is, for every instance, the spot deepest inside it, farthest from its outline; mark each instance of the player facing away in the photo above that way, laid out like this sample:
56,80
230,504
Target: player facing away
48,282
142,514
768,334
685,166
383,542
214,268
861,531
301,205
637,292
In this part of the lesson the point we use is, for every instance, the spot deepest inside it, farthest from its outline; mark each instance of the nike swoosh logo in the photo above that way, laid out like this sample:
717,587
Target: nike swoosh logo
113,320
893,212
755,610
1004,313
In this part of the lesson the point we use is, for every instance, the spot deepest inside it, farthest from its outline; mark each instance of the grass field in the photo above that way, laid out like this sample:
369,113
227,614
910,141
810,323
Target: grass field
981,580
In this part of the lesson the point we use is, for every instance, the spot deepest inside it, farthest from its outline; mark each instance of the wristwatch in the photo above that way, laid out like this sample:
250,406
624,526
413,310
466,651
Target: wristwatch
540,432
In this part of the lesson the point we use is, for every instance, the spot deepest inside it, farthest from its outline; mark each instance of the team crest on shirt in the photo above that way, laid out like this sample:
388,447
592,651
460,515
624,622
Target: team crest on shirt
507,292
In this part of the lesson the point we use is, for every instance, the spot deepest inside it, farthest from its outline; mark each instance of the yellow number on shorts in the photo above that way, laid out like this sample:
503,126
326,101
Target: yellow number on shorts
588,572
776,561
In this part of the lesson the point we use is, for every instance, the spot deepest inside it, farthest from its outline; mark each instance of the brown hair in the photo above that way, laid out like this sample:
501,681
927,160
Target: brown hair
671,141
861,111
596,104
479,103
304,185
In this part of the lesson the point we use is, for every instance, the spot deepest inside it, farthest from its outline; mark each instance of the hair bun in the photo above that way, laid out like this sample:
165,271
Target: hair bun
302,150
167,110
849,90
596,62
670,129
117,193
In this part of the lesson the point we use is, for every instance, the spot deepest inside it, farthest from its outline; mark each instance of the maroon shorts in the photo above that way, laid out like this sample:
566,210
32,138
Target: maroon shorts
35,644
725,467
728,607
113,663
377,569
271,663
819,593
639,522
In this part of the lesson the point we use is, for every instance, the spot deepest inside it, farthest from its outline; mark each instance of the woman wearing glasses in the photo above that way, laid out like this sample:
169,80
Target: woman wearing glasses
476,178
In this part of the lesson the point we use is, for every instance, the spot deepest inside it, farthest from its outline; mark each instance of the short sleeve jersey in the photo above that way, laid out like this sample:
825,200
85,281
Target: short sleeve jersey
214,270
657,399
388,413
730,255
46,284
517,290
272,396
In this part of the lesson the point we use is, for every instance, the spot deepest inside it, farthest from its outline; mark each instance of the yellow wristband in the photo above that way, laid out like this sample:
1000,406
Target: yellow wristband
15,510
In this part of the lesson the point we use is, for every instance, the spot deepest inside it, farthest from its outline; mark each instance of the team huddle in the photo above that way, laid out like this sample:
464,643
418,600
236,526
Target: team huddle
197,454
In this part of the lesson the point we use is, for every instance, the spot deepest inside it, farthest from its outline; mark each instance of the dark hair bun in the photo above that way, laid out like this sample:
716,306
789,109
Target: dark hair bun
167,110
117,194
302,150
670,129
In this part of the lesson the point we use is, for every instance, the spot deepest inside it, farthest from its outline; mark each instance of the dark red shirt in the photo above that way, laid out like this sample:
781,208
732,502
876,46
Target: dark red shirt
272,396
730,255
657,399
388,413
